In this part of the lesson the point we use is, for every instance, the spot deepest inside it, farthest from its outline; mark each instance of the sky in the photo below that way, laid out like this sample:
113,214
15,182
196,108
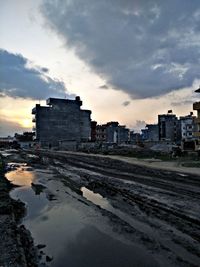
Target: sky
128,60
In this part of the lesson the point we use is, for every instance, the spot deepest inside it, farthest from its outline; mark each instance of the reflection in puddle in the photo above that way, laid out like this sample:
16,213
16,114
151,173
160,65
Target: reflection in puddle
34,203
70,236
21,176
96,198
92,248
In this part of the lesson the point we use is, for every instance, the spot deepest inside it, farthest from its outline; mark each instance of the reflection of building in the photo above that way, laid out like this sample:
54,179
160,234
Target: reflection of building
61,121
196,106
169,127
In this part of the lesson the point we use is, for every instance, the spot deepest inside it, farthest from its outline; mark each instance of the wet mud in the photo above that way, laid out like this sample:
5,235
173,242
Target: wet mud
84,210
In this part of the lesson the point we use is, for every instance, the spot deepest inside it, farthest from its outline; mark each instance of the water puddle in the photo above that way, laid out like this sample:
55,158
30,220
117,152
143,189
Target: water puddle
72,232
20,174
97,199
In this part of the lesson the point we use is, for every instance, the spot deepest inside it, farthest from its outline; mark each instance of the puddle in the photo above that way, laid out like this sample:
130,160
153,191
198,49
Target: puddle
97,199
73,233
20,174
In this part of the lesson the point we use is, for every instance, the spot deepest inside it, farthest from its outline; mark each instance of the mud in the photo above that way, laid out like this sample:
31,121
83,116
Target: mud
155,212
16,243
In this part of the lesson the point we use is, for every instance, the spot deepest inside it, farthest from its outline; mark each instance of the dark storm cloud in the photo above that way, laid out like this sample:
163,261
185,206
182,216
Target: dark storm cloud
103,87
145,48
19,80
126,103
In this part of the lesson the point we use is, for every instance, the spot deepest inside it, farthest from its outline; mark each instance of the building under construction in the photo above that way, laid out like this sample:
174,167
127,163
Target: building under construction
62,122
196,106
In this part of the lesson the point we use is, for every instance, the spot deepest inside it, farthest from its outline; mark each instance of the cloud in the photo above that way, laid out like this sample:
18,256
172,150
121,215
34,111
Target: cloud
18,78
139,124
145,48
103,87
183,103
126,103
9,127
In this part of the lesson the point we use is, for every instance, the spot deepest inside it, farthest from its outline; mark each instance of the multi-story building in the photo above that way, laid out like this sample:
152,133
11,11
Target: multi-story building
101,133
169,128
112,132
187,126
93,131
144,134
62,120
196,106
152,132
122,134
135,138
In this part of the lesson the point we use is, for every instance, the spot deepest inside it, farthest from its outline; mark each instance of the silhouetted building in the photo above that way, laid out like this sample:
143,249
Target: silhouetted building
169,127
62,121
101,133
196,106
93,131
112,132
150,133
135,138
187,126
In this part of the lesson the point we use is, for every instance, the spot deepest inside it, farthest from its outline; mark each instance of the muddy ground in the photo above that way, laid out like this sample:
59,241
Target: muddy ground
155,209
16,244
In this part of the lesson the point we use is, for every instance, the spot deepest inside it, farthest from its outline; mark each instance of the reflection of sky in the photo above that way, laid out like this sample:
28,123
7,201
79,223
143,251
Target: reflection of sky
96,249
75,243
96,198
35,203
69,235
21,177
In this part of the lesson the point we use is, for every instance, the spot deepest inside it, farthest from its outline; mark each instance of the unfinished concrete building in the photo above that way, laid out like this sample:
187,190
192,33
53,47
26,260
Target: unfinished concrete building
196,106
150,133
112,132
62,122
169,127
187,126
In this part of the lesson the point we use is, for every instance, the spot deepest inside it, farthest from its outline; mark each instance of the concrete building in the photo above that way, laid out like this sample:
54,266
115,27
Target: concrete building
101,133
144,134
135,138
62,121
93,131
196,133
122,134
112,132
169,128
150,133
187,126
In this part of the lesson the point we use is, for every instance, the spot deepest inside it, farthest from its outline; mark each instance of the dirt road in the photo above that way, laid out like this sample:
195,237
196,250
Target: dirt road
156,210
